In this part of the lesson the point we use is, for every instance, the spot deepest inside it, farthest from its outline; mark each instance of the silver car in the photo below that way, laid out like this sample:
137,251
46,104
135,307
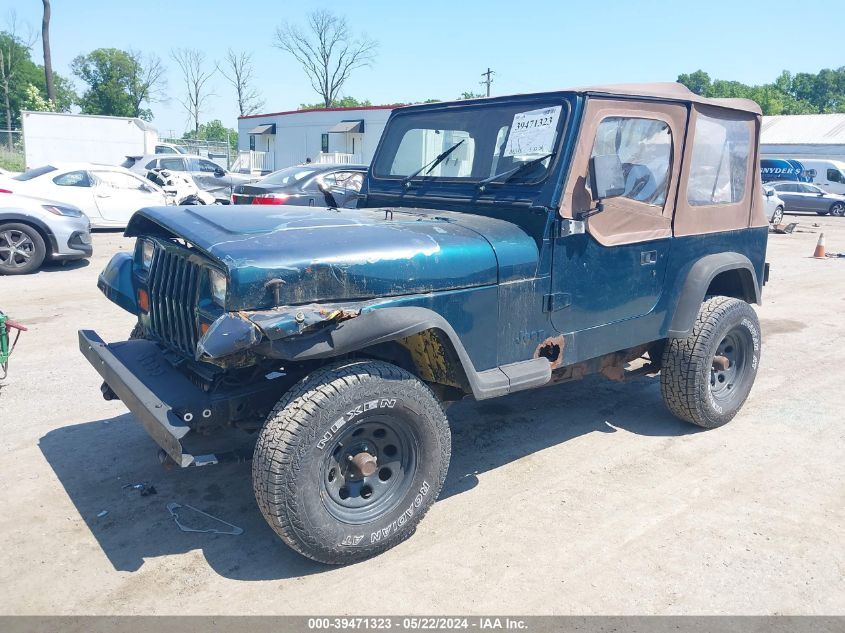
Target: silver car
774,205
804,197
34,230
208,175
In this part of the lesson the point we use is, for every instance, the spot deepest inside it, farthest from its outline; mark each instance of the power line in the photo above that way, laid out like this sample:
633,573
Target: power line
489,79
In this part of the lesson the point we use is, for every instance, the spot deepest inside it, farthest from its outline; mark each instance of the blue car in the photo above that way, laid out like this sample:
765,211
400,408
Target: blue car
496,245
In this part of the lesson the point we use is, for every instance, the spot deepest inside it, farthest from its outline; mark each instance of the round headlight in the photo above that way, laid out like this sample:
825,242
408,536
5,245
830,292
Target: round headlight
217,285
145,253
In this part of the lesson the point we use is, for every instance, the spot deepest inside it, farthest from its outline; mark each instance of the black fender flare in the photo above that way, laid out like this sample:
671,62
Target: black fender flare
382,325
41,227
698,279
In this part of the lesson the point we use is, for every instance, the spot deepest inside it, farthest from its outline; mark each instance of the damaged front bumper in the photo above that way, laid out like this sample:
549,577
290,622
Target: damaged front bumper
166,403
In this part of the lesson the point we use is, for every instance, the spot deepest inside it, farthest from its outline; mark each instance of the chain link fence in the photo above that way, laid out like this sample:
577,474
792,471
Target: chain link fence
11,150
219,151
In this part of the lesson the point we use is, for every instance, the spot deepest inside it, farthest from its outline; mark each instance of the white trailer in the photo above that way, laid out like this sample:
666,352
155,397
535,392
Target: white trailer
84,138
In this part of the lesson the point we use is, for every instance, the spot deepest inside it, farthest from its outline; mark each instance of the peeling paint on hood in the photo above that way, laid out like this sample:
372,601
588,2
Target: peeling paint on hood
314,254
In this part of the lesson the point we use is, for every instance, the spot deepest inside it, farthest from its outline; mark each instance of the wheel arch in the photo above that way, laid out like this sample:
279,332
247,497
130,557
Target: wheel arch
729,274
43,230
419,339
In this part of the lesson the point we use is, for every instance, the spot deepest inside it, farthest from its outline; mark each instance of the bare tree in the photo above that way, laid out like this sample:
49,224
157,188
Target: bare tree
146,80
14,48
237,69
326,50
192,64
48,58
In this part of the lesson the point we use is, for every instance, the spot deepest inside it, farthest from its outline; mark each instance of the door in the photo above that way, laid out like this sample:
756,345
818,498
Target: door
793,198
815,199
211,177
615,270
76,188
831,179
119,194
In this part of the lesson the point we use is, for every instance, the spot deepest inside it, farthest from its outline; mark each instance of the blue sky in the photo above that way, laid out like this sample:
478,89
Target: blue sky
438,49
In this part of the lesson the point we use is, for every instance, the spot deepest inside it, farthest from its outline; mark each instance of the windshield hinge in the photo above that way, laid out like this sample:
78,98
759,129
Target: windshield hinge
565,227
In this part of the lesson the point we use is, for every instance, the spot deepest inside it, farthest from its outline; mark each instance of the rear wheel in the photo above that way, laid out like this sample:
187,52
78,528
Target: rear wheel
350,460
22,249
707,376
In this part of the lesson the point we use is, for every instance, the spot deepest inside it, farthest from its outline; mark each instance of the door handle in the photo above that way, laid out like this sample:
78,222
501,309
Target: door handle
648,258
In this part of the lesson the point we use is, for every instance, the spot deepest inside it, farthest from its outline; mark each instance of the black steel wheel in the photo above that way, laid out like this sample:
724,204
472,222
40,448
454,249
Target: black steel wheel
350,460
22,249
707,376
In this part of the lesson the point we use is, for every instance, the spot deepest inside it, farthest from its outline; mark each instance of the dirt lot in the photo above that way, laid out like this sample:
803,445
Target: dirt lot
581,498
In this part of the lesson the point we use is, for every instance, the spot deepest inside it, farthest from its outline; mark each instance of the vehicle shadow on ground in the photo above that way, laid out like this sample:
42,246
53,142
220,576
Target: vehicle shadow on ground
58,266
94,460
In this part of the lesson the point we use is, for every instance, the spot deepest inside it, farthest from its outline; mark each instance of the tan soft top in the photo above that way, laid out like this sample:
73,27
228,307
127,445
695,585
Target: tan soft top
669,90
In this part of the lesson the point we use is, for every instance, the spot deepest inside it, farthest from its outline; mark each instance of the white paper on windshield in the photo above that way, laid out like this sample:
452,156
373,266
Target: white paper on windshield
533,133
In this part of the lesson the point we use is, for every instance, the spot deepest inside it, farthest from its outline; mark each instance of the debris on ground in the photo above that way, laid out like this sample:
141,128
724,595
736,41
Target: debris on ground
102,513
835,255
784,228
173,507
146,489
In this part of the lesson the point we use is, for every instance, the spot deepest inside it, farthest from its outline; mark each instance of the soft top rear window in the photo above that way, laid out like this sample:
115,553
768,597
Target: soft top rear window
485,140
34,173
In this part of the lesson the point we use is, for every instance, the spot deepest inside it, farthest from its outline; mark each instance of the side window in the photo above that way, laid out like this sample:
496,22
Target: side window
809,189
788,188
719,165
644,147
73,179
151,164
349,179
834,175
172,164
203,165
164,149
324,143
118,180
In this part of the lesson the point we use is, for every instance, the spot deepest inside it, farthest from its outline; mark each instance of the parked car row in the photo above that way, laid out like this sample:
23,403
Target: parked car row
208,175
804,197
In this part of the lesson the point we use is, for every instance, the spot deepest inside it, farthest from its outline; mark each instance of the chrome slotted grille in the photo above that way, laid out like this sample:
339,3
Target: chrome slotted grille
173,284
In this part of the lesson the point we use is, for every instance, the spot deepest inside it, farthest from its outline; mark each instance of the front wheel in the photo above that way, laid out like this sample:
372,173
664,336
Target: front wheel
707,376
350,460
22,249
837,209
777,216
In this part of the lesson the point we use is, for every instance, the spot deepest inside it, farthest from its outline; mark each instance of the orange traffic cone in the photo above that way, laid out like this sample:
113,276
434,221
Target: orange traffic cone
819,252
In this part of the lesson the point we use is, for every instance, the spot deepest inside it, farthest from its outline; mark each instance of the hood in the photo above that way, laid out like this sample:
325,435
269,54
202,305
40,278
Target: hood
320,254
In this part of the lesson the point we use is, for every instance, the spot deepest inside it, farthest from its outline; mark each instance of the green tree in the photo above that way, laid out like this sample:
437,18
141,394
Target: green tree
213,131
120,83
342,102
470,95
698,82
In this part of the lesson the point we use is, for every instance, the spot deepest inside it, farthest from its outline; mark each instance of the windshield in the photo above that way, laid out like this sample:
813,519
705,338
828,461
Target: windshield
289,176
485,140
34,173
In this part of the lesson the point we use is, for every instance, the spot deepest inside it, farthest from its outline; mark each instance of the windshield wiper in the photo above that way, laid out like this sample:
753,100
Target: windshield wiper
430,166
511,173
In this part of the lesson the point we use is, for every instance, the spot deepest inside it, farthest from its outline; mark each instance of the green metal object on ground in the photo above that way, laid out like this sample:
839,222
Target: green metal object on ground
6,324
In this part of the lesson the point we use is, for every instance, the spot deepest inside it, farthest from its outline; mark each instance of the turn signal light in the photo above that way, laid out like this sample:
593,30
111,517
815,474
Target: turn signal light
204,327
143,300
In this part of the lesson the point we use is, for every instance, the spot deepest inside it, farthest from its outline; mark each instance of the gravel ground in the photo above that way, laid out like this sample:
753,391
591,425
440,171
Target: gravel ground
584,498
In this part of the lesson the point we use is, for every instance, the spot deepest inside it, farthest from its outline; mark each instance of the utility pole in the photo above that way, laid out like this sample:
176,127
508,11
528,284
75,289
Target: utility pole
489,79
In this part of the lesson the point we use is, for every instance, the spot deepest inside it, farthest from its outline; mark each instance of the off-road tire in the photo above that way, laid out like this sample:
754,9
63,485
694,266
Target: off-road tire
34,239
300,435
687,371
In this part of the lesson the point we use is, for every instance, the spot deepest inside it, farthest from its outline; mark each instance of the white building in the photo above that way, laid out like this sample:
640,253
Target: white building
803,135
268,142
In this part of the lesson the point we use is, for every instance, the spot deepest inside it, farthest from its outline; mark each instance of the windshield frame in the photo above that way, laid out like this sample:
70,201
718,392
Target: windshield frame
533,101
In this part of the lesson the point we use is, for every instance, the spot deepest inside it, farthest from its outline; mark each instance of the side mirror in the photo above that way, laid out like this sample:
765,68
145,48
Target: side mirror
331,201
770,193
607,180
219,172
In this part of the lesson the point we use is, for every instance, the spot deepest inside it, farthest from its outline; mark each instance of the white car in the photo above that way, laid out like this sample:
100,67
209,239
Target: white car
774,205
108,195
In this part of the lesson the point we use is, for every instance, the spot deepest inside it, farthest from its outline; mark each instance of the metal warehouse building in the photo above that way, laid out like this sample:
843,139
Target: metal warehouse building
804,135
326,135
